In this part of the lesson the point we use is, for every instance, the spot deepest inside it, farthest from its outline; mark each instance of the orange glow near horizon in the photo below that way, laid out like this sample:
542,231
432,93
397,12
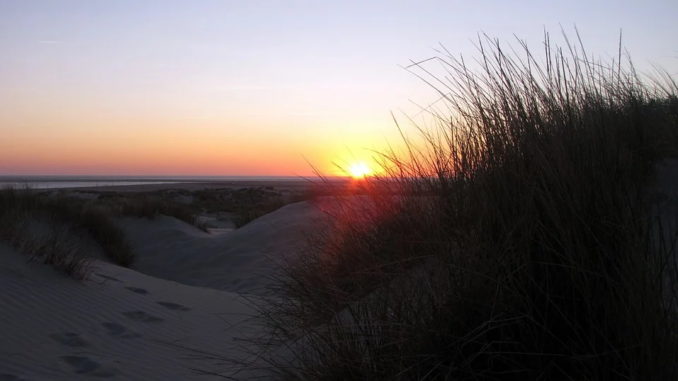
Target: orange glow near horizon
228,88
166,152
51,143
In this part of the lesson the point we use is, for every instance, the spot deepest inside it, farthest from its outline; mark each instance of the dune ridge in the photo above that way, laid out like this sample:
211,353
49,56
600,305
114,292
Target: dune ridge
132,324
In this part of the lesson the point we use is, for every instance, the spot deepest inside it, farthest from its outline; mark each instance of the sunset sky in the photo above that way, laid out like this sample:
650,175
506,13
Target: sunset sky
168,87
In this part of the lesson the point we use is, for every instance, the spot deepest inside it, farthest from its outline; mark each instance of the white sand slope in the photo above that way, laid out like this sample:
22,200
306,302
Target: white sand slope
119,324
241,260
139,324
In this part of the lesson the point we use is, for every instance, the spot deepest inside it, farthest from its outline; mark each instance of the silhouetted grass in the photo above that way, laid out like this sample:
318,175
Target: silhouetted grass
26,204
46,242
248,204
94,217
148,205
513,241
245,204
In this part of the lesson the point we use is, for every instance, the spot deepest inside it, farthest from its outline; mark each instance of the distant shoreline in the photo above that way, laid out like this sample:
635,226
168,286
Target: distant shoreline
32,178
130,184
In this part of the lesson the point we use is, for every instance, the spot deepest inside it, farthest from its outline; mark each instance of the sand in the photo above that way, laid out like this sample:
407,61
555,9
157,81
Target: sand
183,309
118,324
180,313
240,260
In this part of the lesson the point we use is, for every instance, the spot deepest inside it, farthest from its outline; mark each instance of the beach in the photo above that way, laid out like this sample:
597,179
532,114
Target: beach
330,191
184,308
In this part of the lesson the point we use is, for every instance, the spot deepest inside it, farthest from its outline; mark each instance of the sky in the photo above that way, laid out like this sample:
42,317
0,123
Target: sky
169,87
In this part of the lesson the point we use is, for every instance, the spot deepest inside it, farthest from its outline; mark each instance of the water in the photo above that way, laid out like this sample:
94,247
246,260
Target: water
56,182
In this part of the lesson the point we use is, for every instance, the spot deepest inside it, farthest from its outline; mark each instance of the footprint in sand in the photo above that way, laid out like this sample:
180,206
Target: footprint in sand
10,377
174,306
108,277
119,330
68,339
85,365
137,290
142,317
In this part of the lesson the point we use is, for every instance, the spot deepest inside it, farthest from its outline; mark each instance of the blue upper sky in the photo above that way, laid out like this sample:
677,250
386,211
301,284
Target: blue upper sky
144,74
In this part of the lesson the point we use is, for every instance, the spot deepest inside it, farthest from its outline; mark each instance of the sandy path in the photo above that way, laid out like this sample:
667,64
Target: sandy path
141,323
119,324
240,261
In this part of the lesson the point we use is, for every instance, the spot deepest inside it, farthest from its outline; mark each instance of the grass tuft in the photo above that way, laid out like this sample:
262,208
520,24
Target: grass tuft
19,207
514,239
38,235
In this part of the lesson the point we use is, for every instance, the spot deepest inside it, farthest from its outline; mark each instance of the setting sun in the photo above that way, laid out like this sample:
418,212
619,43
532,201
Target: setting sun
342,188
359,170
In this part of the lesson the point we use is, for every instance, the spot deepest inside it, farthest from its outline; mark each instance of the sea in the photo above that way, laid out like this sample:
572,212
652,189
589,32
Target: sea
56,182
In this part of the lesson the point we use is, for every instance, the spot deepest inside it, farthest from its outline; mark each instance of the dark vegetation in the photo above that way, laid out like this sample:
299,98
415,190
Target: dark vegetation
242,204
51,225
514,240
21,212
146,205
245,204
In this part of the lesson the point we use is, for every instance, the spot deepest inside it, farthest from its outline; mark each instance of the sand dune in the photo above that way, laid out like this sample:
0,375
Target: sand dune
240,260
117,324
151,322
